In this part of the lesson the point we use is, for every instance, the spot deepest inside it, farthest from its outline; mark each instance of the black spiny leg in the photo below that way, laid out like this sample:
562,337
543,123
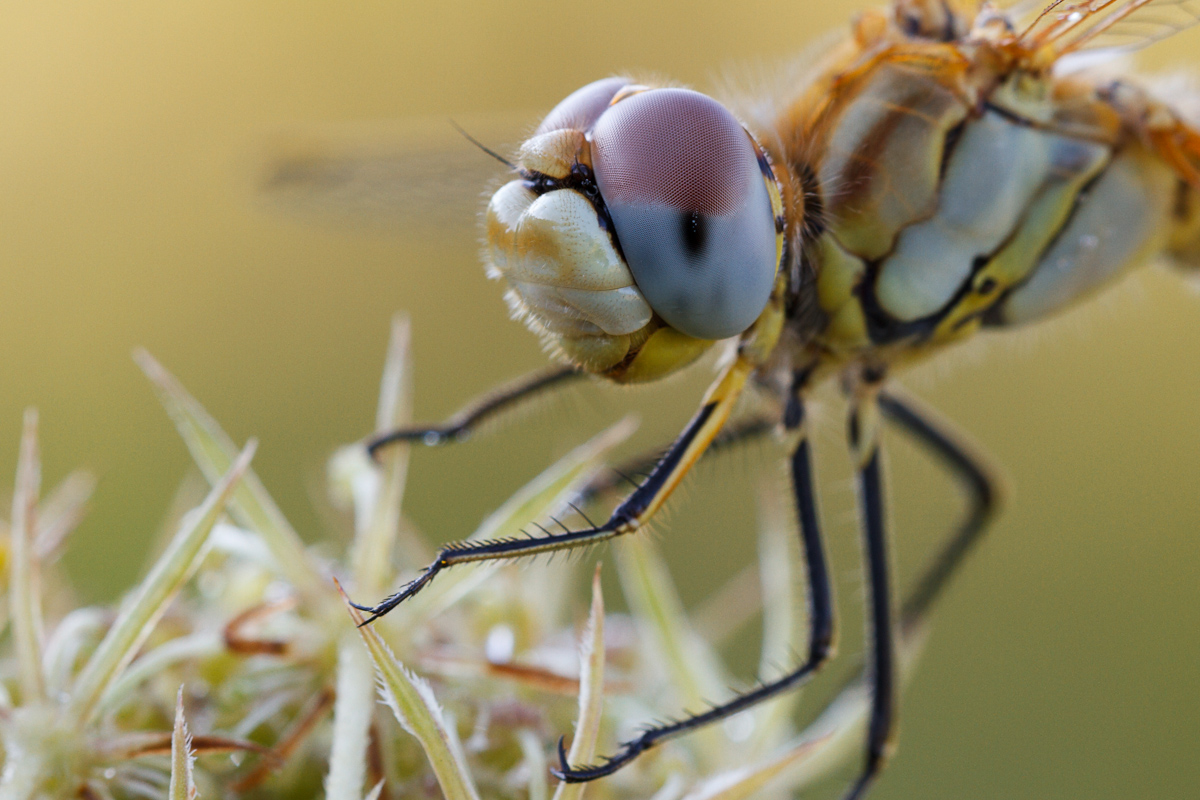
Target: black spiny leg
984,496
461,424
731,436
636,510
864,440
984,500
821,631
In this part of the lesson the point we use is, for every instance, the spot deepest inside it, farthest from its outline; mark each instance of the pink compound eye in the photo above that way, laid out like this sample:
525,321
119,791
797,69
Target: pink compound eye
582,107
683,184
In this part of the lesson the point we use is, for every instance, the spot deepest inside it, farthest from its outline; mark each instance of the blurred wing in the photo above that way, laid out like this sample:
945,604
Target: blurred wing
412,176
1111,25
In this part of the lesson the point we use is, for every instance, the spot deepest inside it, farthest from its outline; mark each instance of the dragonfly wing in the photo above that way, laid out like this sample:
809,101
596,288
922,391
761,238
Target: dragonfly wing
408,176
1117,26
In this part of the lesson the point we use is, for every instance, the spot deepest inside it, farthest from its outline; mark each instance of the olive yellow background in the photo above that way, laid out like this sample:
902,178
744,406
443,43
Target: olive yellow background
1066,660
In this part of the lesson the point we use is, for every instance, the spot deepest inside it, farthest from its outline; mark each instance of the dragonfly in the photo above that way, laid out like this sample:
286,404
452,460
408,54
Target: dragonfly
947,169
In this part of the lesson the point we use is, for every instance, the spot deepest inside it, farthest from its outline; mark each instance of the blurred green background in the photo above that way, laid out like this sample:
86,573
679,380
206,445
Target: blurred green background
1065,662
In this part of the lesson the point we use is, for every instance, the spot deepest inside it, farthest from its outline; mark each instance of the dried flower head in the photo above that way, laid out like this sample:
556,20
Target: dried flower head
477,675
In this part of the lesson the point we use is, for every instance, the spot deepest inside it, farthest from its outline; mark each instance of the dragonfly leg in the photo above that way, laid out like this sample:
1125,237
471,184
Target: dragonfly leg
635,511
732,435
984,489
459,425
865,444
820,637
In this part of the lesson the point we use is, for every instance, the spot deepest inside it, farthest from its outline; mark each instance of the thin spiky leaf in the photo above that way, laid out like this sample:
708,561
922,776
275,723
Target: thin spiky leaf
251,505
535,763
591,693
689,662
73,633
351,722
378,527
549,490
752,780
782,600
183,783
61,512
836,735
194,647
296,734
24,589
395,386
672,788
733,605
416,709
150,600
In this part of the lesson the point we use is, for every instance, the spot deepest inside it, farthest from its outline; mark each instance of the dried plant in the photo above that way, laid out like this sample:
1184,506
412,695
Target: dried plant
282,692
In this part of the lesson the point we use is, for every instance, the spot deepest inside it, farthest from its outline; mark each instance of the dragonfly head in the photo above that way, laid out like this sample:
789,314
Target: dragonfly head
642,229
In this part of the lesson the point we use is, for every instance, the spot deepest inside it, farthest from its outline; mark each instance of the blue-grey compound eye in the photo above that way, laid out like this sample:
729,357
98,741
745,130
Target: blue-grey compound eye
682,182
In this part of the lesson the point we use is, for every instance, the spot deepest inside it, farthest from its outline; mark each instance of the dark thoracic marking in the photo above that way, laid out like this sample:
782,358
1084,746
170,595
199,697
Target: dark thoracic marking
948,144
914,25
813,223
764,166
949,34
1010,116
1181,209
804,313
883,328
695,231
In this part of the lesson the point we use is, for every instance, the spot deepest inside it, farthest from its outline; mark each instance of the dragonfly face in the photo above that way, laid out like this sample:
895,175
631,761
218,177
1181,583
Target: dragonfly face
646,224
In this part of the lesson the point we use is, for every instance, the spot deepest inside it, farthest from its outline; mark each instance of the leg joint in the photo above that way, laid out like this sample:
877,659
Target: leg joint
821,648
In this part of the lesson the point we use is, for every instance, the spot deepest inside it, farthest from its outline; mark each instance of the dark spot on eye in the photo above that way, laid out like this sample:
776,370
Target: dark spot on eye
987,285
695,231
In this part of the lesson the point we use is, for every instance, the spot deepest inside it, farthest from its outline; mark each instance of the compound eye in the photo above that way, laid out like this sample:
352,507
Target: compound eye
687,197
582,107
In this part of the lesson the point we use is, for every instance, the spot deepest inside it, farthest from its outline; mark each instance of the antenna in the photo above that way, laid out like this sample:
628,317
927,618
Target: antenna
483,147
